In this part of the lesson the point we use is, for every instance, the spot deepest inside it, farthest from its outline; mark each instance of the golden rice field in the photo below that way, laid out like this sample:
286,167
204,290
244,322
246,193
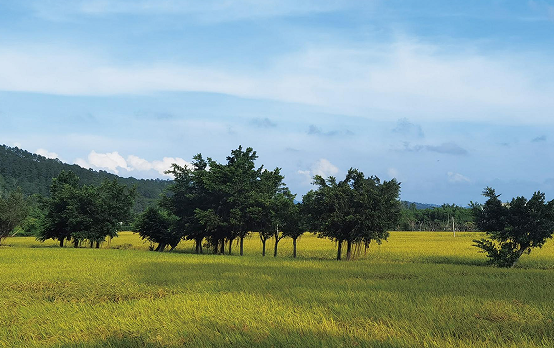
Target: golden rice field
419,289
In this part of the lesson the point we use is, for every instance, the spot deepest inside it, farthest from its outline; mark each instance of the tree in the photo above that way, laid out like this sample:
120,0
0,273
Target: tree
285,214
157,226
56,221
355,210
513,228
233,196
109,204
184,196
13,210
85,212
294,224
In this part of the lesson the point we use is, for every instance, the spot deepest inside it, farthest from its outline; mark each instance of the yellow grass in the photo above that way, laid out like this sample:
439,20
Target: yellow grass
419,289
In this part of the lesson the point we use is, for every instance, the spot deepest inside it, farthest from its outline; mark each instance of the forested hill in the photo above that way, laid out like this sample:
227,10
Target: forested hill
407,205
34,173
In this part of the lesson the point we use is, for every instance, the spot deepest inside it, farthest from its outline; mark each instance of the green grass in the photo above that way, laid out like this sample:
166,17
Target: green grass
419,289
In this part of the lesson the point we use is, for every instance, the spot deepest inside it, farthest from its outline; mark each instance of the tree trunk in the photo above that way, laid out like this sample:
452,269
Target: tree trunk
97,245
91,244
230,245
61,242
75,243
173,247
222,246
339,250
198,245
348,250
276,243
294,247
367,246
241,245
263,247
161,247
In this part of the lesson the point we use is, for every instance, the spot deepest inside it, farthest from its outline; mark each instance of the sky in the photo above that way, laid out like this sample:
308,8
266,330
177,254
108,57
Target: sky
448,97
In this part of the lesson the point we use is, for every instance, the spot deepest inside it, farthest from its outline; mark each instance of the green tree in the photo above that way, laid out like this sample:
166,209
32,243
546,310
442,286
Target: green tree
355,210
284,214
103,209
513,228
56,222
233,195
13,211
157,226
184,196
85,212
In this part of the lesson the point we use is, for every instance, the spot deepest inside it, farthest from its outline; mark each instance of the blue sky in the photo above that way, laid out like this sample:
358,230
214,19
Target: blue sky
446,96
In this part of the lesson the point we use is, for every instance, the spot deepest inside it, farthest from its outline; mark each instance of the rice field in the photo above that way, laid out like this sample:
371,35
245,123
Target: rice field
419,289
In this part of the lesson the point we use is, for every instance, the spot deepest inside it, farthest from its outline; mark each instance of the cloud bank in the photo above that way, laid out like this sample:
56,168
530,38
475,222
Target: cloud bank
115,163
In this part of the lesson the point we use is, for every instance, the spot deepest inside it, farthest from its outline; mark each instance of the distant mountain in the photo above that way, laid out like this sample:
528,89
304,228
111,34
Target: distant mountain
34,173
407,204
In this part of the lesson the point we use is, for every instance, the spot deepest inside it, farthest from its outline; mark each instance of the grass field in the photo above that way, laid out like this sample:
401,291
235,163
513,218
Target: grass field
419,289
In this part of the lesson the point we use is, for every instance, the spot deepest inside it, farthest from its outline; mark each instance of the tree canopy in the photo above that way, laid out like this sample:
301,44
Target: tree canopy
355,210
84,212
513,228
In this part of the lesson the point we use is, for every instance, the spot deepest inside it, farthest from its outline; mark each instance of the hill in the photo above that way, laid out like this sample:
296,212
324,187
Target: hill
34,173
417,205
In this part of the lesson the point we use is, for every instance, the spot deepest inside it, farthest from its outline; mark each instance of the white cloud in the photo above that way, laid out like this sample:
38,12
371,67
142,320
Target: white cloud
165,164
428,81
322,167
110,160
81,162
46,153
114,162
138,163
457,177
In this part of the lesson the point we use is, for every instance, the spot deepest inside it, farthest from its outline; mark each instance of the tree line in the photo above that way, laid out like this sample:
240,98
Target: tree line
218,204
447,217
215,204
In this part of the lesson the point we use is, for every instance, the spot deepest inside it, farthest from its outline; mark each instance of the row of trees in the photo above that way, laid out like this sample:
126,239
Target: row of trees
216,204
222,203
448,217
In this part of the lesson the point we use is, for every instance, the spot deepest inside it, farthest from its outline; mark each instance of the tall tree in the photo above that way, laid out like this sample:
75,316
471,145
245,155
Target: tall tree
233,189
355,210
56,221
513,228
13,210
185,195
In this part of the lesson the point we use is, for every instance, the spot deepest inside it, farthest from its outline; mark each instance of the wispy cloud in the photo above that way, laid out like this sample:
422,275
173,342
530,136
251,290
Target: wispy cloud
351,81
263,123
406,128
448,148
315,130
457,178
206,11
